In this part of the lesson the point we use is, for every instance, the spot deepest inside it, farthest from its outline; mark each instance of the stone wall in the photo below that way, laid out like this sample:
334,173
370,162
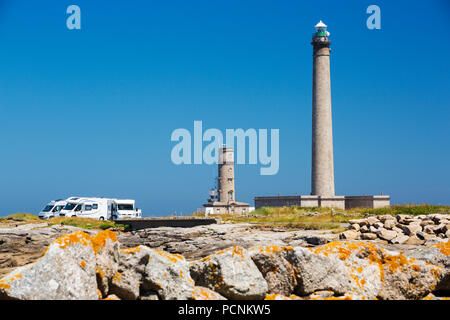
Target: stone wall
180,222
341,202
367,201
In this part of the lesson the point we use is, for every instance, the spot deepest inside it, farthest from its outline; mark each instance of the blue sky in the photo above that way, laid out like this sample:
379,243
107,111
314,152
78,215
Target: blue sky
90,112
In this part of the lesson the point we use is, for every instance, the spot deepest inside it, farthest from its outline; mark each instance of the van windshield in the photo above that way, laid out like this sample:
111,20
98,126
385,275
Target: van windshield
70,206
57,208
125,207
47,208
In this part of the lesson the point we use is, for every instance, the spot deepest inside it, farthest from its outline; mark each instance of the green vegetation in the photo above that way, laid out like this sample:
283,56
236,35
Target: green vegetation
316,218
411,209
87,223
84,223
20,217
319,218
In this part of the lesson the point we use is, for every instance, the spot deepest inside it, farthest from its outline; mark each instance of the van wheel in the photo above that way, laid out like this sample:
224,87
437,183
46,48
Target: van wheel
73,216
101,218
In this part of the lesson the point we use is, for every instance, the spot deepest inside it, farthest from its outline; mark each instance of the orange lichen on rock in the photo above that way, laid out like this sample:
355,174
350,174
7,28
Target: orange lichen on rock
117,277
84,239
373,254
357,281
270,249
83,264
99,272
5,284
274,249
272,296
237,251
344,253
171,257
131,250
276,296
444,247
100,239
200,293
341,248
79,237
338,298
415,267
221,252
395,262
205,259
17,276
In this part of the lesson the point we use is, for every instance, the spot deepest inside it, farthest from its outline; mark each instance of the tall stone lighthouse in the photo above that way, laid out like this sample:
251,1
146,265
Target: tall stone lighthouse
322,171
322,168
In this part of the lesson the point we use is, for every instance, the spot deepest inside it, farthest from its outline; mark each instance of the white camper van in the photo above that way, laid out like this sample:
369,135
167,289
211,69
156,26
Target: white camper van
126,209
96,208
52,209
73,205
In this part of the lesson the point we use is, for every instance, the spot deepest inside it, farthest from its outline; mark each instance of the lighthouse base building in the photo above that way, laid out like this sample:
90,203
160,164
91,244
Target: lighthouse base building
340,202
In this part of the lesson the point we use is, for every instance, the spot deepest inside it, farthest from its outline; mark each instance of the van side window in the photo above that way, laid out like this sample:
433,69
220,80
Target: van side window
87,207
78,208
95,206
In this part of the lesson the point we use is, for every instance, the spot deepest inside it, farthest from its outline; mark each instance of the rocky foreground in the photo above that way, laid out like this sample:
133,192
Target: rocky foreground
265,265
401,229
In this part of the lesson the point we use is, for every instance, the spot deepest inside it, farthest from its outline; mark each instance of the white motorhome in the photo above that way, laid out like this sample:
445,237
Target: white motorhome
52,209
73,205
126,209
96,208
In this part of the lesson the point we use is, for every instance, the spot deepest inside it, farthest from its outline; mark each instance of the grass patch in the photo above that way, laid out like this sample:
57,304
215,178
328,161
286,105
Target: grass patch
410,209
291,218
87,223
324,218
20,217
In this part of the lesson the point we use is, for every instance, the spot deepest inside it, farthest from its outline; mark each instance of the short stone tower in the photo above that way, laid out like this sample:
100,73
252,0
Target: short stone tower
223,199
322,173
